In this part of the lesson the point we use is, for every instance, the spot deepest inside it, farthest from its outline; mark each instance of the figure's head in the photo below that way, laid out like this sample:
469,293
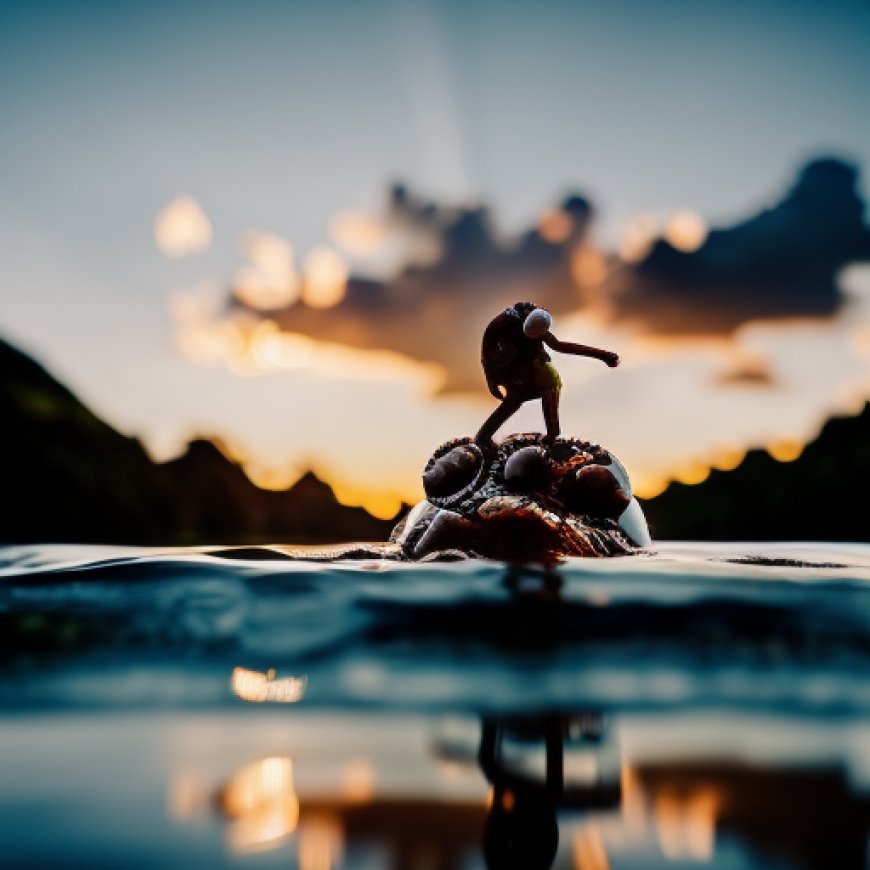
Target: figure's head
537,323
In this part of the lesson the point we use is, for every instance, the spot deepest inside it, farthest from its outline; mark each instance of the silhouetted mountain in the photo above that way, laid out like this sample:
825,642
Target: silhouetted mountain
819,496
217,502
70,477
67,475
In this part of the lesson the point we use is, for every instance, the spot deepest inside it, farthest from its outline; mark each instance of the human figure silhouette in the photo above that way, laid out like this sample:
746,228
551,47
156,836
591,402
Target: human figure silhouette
514,361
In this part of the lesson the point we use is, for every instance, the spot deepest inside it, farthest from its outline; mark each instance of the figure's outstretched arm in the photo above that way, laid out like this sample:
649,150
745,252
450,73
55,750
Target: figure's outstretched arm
606,356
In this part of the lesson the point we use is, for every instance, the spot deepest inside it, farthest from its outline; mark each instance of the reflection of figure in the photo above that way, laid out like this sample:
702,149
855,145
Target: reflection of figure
521,829
514,359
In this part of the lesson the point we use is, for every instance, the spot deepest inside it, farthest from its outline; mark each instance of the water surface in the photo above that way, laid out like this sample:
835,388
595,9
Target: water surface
702,705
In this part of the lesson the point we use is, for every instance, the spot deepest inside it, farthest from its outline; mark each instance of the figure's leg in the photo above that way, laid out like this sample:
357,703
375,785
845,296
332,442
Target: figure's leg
508,407
550,404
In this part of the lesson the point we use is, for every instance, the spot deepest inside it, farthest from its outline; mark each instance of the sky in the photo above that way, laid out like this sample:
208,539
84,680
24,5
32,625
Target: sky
275,117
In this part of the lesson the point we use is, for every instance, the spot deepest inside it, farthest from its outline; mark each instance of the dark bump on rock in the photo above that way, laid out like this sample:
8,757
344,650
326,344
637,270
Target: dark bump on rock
452,472
594,491
527,470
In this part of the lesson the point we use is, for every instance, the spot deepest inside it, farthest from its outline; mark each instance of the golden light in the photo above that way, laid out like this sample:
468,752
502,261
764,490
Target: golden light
634,812
274,349
589,852
321,843
261,801
271,477
259,688
728,458
182,228
686,826
358,781
686,231
588,267
269,280
785,449
555,226
383,505
701,824
649,486
693,473
637,237
325,278
359,234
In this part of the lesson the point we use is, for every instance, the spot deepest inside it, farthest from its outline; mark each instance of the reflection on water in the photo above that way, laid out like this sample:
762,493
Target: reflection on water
693,708
256,687
560,790
262,804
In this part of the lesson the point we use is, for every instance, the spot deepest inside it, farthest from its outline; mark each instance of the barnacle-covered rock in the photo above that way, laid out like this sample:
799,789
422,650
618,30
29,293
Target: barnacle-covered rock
530,501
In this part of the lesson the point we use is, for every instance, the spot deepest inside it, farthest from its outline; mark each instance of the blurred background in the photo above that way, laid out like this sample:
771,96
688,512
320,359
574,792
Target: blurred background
248,251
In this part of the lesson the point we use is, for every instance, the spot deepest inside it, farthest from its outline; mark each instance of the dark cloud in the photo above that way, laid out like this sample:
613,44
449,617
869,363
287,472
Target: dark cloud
437,312
780,263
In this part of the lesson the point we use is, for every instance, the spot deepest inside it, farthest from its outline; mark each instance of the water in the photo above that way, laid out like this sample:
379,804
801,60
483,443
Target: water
703,706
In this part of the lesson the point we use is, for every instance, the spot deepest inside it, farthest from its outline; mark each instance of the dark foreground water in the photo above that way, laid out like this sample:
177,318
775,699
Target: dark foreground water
706,706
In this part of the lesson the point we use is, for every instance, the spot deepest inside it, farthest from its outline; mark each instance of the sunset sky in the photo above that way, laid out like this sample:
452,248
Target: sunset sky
156,156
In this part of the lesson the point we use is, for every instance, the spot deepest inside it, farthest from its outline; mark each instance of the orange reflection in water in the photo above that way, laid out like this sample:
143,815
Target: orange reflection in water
589,852
261,801
258,688
321,843
686,824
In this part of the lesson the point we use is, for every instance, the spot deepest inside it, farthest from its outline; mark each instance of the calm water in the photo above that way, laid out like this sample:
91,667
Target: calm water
708,705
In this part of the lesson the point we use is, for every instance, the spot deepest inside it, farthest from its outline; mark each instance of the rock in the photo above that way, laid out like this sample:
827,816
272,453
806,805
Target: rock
527,470
453,471
530,501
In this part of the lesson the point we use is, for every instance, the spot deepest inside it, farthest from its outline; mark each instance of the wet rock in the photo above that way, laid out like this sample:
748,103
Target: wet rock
529,501
527,470
453,471
594,491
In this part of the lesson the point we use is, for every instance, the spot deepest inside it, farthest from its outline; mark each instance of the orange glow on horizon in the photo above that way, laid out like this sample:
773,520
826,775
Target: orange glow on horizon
785,449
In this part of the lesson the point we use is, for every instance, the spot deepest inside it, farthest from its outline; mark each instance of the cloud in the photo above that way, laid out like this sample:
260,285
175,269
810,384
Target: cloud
673,276
780,263
182,228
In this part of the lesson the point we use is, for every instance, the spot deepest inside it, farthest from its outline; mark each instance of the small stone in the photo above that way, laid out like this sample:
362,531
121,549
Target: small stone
593,491
527,470
453,471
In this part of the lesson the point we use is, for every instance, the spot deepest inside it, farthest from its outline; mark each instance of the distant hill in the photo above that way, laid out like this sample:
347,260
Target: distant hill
70,477
822,495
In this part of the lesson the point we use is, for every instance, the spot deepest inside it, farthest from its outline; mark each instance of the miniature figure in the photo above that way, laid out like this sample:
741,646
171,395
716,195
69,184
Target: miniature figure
533,497
514,359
